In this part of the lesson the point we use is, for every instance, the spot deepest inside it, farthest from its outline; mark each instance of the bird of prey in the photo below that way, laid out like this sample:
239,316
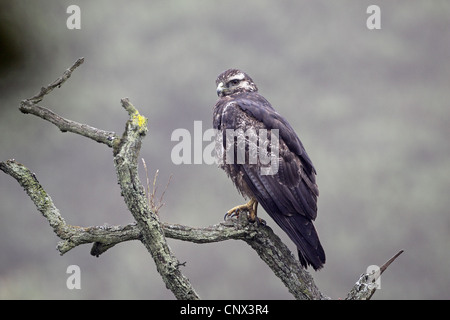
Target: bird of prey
289,192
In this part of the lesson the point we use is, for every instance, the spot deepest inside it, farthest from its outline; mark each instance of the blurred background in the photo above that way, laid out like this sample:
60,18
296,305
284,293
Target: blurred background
370,106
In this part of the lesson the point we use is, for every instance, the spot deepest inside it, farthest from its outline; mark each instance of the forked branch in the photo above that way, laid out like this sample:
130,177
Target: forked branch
147,227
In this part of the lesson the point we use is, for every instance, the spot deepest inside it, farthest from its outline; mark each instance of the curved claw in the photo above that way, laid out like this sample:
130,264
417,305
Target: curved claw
260,222
250,207
232,213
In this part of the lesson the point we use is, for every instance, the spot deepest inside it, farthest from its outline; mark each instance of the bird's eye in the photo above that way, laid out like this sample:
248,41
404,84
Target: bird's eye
234,82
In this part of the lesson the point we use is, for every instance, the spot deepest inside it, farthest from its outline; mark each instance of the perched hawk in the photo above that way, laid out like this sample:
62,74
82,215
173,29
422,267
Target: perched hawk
289,192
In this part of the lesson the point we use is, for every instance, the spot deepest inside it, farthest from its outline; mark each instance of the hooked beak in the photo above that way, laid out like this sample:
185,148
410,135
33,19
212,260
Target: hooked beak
220,89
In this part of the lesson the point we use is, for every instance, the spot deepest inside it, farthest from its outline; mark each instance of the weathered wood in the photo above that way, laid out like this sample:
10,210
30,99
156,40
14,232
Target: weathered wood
148,228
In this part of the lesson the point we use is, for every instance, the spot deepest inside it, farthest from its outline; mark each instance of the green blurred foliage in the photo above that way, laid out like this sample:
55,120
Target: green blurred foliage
371,107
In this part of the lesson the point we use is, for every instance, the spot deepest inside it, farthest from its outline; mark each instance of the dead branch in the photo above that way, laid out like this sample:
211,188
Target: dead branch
147,227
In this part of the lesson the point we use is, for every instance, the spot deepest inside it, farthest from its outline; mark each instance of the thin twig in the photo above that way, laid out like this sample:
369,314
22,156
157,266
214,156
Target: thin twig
161,203
366,285
153,197
155,204
65,125
57,83
147,180
384,266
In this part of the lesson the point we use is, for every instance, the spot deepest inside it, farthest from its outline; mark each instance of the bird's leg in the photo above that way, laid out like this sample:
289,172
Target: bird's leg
251,207
253,210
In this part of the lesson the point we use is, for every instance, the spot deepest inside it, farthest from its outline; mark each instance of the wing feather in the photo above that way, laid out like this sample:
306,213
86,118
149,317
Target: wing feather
277,204
290,195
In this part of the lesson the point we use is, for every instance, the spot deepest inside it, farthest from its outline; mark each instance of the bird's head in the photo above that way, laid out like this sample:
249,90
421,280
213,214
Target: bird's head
234,81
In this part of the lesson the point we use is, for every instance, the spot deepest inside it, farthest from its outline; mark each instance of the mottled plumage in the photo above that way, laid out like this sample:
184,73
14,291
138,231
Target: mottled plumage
289,195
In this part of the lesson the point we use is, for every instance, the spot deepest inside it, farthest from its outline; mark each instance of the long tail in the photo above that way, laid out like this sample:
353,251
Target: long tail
302,232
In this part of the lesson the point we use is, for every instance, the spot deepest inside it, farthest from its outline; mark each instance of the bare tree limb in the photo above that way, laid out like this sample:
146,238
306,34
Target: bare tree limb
57,83
148,229
268,246
65,125
261,238
366,285
71,236
126,162
125,151
29,106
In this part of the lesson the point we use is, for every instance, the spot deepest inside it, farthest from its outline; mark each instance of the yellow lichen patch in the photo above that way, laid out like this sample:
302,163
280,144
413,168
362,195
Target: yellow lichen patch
141,121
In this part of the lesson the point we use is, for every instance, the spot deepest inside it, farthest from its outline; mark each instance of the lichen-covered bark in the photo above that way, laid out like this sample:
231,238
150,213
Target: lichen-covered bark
125,161
147,228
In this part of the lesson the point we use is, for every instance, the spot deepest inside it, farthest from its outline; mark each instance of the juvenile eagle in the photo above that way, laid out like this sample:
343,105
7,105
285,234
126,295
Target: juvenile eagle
288,193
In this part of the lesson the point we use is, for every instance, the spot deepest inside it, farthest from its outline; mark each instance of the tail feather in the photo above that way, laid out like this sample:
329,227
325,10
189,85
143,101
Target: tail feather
302,232
293,209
